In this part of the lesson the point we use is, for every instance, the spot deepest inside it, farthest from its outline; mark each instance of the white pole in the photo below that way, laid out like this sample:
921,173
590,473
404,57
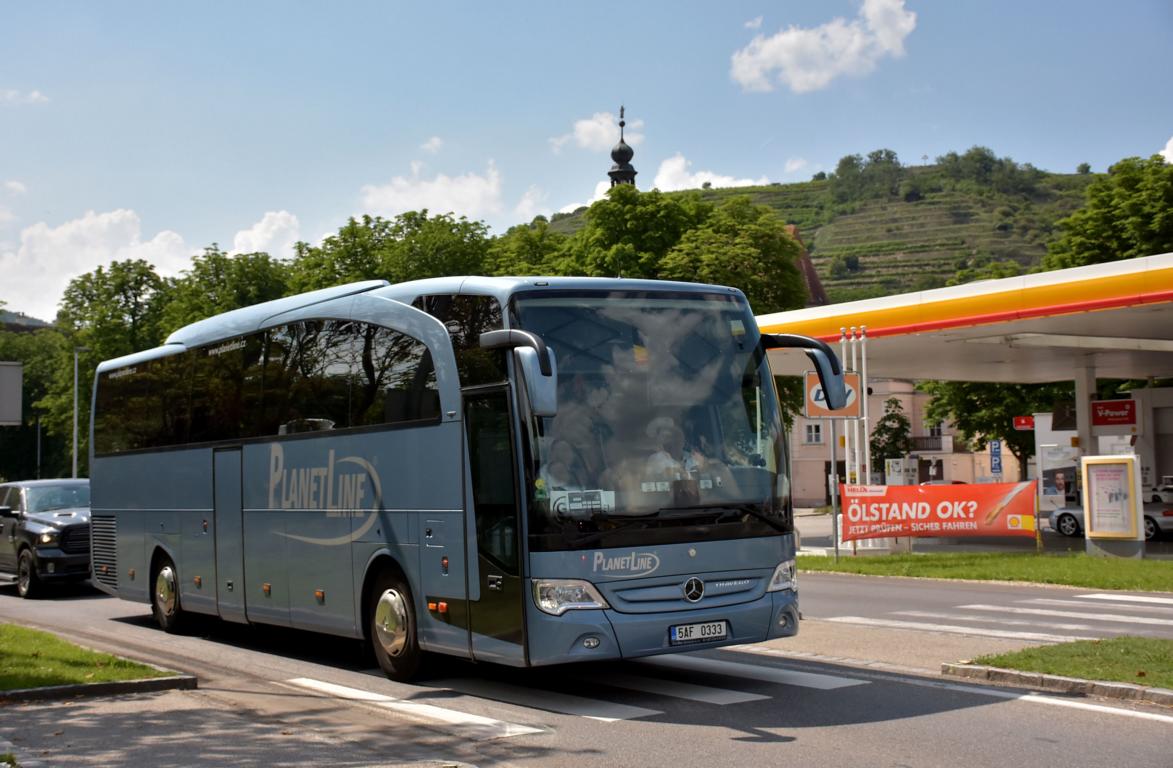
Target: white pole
833,479
75,412
867,425
855,422
845,364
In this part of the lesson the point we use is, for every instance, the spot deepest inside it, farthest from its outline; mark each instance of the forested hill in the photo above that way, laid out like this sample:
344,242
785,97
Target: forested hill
876,227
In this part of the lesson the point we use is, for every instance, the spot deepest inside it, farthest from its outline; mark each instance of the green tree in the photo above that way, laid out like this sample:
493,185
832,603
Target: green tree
986,411
745,246
1083,169
107,313
355,253
38,351
1128,213
527,249
434,246
892,434
217,282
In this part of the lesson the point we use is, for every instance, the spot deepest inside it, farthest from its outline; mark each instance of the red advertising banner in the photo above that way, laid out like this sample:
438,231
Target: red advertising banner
1024,423
993,509
1107,413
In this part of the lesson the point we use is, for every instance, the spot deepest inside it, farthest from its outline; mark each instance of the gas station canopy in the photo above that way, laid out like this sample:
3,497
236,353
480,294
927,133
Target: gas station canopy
1115,319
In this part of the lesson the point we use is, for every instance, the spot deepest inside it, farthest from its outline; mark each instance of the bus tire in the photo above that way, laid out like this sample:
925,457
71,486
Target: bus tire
393,628
28,584
165,605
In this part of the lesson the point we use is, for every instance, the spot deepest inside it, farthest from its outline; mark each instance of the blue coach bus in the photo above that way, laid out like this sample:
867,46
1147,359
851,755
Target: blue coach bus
514,470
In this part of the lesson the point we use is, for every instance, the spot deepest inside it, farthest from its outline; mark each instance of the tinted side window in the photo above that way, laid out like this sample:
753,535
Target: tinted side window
225,389
306,378
467,317
394,378
143,406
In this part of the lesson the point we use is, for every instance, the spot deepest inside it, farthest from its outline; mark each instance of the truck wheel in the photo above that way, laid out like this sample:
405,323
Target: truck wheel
28,584
393,628
165,605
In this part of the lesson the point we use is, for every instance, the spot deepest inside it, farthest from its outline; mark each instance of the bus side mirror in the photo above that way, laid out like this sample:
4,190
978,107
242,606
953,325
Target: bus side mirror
537,365
824,358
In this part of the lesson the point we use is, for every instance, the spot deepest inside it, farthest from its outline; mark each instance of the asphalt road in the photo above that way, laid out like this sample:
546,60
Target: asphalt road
279,697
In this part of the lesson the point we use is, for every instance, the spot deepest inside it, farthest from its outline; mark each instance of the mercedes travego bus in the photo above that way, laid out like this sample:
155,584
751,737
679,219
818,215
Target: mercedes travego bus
515,470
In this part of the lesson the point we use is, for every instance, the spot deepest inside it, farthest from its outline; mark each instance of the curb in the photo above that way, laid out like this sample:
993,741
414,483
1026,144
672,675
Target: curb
1059,684
56,692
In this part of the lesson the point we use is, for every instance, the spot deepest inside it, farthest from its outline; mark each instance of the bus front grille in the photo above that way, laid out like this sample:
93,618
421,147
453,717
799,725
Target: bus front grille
103,549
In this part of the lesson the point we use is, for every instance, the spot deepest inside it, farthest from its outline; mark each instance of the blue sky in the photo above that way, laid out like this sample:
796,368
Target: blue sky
151,130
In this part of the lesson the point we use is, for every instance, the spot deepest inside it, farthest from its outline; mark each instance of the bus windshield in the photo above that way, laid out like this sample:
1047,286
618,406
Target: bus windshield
667,427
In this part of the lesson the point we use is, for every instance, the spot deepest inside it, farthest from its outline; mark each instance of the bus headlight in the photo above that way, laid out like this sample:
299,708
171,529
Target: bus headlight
785,577
48,537
557,596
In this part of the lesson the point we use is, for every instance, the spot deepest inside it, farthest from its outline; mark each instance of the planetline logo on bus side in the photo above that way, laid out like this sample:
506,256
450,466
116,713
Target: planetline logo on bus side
326,487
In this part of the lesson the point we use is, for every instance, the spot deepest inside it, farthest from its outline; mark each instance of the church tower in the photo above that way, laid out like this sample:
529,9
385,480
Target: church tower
622,171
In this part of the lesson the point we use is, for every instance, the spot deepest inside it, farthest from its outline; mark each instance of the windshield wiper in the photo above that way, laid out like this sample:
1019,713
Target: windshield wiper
722,511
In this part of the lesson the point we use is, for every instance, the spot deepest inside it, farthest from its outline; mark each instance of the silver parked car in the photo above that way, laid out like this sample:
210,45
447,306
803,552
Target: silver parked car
1158,519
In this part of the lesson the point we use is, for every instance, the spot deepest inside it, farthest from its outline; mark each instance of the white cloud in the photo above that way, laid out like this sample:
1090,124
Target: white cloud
754,23
432,145
600,192
599,132
795,164
37,272
19,98
809,59
532,203
1167,152
6,215
274,234
15,187
675,173
471,194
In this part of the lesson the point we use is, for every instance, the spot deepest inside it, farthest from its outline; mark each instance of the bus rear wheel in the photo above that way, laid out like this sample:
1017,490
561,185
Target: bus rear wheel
393,628
165,605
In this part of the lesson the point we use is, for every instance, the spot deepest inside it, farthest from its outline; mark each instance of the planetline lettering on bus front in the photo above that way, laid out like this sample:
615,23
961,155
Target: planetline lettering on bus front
338,494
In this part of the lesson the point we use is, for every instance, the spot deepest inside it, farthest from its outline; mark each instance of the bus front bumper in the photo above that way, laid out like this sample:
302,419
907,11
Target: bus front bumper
597,635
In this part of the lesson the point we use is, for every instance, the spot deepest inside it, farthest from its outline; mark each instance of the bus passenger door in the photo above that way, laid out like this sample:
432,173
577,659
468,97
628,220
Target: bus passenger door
229,534
496,620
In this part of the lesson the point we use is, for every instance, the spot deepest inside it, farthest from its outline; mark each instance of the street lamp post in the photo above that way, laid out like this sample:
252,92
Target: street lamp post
75,351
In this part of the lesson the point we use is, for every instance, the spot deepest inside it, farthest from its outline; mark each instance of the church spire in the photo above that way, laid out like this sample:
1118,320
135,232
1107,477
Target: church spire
622,171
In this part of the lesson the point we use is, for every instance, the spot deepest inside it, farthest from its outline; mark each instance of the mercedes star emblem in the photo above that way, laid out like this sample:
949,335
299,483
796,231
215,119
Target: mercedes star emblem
694,589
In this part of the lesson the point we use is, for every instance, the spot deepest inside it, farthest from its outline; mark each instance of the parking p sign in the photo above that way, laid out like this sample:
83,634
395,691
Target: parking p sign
995,457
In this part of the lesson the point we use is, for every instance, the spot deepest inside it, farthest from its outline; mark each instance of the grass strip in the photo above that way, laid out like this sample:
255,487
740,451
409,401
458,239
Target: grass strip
33,659
1077,570
1139,660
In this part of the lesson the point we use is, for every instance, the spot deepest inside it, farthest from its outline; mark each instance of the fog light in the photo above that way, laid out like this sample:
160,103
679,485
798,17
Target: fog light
52,567
590,643
784,620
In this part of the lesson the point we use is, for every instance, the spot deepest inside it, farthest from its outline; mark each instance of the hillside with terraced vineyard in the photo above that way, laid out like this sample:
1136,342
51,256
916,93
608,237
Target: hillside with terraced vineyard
876,227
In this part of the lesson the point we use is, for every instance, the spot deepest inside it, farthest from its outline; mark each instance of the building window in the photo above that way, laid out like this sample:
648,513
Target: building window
814,433
935,430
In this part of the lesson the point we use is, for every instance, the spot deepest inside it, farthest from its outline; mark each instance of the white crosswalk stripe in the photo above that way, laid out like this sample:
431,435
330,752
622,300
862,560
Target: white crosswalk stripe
475,726
753,672
1159,610
956,629
1130,599
1001,621
672,688
1113,617
550,701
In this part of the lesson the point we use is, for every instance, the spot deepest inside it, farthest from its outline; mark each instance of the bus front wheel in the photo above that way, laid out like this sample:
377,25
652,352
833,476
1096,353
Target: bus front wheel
393,628
165,603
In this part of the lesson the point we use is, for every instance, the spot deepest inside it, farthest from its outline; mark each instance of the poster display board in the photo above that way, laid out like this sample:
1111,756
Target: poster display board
989,509
1112,499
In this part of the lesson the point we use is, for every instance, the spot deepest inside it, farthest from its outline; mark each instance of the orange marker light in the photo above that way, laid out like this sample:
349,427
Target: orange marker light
443,607
267,588
320,594
431,606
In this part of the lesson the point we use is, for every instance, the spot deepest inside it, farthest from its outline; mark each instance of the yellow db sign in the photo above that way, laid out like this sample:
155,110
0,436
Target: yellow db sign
815,402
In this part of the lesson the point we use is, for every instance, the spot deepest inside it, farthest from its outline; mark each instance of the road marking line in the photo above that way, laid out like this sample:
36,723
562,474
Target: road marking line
484,727
1002,620
1072,614
956,629
550,701
1129,598
753,672
672,688
1038,698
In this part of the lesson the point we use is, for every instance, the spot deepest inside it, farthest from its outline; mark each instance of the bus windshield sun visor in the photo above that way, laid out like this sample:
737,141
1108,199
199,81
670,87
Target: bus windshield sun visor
513,338
824,358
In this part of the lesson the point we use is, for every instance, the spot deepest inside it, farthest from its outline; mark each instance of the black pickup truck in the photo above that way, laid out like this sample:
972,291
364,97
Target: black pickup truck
44,532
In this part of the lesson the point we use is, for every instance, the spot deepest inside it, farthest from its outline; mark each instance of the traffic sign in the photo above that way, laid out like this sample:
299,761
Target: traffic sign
995,457
815,401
